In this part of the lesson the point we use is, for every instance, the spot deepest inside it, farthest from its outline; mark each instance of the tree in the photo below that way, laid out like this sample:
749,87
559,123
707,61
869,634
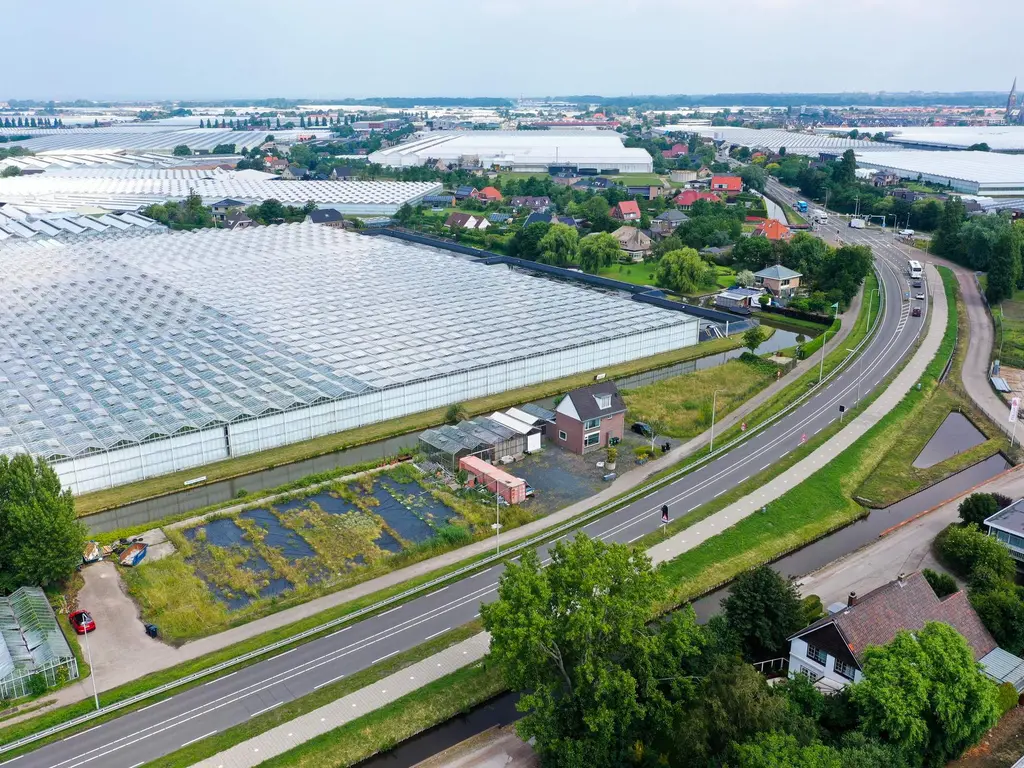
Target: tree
753,337
224,149
683,271
753,252
754,177
526,242
560,245
782,750
598,681
966,549
947,238
925,694
942,584
1004,271
845,170
41,540
10,170
182,150
976,507
764,609
745,278
597,251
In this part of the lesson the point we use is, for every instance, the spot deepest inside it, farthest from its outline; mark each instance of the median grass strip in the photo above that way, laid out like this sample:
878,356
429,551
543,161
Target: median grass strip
110,498
203,749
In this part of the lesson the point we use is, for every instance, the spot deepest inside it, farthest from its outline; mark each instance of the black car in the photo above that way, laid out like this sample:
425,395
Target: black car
642,429
917,283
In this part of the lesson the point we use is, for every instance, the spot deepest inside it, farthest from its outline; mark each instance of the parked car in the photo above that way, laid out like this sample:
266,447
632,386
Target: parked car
82,622
642,429
529,490
920,296
916,312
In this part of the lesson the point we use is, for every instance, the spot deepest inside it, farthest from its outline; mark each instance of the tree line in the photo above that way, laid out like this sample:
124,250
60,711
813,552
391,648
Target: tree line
604,685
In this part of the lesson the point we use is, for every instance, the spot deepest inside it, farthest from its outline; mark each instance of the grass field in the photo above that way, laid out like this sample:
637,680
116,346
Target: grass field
1008,318
407,425
639,179
681,406
637,274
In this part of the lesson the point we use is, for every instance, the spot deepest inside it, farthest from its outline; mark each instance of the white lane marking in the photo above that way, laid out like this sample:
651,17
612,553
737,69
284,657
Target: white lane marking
431,637
388,656
718,494
332,680
265,709
217,680
193,741
392,610
635,538
346,629
437,591
282,654
161,702
762,469
691,509
81,733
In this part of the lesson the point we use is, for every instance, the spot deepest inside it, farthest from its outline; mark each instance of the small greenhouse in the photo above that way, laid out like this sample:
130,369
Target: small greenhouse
31,643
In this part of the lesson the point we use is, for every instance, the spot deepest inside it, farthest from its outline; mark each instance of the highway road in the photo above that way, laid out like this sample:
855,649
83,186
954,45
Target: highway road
158,729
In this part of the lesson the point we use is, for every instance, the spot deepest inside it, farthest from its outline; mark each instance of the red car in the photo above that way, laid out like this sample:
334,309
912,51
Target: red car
82,622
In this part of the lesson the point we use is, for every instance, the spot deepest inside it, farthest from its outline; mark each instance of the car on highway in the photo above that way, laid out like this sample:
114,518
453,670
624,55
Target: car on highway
642,429
916,312
82,622
917,284
920,296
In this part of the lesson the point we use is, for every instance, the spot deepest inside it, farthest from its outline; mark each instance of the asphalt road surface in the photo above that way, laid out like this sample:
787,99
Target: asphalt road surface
145,734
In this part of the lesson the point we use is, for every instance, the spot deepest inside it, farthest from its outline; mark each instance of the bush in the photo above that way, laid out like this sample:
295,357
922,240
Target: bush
759,363
941,583
36,685
814,344
977,507
1002,502
453,535
1008,698
965,549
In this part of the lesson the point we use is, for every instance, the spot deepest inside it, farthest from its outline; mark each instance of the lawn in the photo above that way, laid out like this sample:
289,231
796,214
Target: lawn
637,274
639,179
681,406
1008,318
235,568
406,425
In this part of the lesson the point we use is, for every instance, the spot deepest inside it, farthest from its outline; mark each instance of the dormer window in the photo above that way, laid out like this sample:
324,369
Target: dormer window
604,402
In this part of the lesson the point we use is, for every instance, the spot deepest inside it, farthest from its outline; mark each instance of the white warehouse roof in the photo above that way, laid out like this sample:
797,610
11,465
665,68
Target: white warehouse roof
531,150
984,173
109,343
774,138
132,188
998,137
141,137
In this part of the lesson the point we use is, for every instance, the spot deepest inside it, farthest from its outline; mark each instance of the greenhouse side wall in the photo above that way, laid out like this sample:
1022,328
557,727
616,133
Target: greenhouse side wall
116,467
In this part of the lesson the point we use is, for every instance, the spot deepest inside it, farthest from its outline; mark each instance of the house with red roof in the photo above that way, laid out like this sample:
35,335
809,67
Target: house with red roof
773,229
627,210
688,197
488,195
731,185
678,150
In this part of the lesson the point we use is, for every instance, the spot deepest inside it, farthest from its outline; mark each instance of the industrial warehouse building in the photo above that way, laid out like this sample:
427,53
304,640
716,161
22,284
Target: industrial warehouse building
127,357
523,151
974,173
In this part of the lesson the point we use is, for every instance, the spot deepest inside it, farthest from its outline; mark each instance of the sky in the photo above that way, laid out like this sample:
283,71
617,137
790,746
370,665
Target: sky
209,49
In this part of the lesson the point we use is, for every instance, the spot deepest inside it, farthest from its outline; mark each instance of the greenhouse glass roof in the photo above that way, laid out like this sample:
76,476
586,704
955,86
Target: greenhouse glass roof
109,342
29,635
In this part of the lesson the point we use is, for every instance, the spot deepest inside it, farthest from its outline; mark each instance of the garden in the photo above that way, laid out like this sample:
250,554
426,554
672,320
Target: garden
232,568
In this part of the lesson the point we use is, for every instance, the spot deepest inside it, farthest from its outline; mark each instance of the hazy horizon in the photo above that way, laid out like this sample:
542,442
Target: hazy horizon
115,50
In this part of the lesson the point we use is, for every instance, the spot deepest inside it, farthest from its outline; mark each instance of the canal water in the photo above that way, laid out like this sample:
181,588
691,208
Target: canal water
501,710
202,496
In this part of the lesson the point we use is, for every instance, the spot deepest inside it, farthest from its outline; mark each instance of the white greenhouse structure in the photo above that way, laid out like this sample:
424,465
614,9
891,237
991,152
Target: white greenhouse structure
31,643
124,358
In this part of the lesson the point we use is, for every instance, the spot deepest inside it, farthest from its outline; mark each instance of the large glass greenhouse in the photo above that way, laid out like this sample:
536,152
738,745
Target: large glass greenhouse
124,358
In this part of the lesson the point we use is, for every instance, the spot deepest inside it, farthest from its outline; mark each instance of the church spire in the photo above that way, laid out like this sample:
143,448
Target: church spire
1011,102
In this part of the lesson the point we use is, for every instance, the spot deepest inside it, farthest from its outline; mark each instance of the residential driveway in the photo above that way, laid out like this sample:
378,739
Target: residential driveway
121,649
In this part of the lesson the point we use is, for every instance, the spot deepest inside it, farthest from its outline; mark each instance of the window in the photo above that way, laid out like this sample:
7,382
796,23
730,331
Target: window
562,435
844,669
810,673
594,438
592,424
816,654
604,402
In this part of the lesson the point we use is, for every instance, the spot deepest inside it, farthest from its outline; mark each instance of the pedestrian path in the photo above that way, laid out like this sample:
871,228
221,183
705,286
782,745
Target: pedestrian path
284,737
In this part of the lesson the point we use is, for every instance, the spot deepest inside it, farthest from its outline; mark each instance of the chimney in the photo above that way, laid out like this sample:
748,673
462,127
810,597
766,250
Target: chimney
901,579
851,600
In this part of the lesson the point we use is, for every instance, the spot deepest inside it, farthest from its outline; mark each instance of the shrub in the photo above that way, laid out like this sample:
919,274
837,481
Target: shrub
36,685
454,535
964,549
941,583
976,507
1008,698
1002,502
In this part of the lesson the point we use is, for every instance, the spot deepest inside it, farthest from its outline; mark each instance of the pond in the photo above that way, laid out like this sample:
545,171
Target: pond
955,435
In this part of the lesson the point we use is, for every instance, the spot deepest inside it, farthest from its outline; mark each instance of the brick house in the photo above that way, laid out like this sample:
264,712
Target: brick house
778,280
489,195
688,197
588,418
831,650
627,210
634,243
773,229
731,185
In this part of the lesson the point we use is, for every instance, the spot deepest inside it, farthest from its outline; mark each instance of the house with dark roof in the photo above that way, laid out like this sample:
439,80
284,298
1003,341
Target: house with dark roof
1007,525
221,208
294,173
464,191
446,200
459,220
666,222
342,173
589,418
778,280
548,218
540,204
831,650
329,217
238,220
647,192
627,210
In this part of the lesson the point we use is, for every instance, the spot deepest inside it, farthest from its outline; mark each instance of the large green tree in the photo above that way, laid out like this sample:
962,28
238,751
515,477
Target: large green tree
41,540
560,245
925,694
526,242
976,507
1004,268
598,680
683,271
597,251
764,609
947,238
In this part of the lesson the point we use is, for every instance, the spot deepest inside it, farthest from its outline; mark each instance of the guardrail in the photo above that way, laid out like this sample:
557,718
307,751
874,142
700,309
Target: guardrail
454,575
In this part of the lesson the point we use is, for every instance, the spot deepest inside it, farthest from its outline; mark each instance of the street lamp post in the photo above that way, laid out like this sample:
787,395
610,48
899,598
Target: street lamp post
714,407
92,671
